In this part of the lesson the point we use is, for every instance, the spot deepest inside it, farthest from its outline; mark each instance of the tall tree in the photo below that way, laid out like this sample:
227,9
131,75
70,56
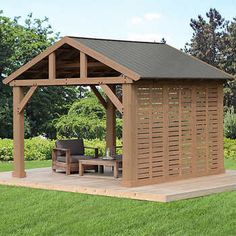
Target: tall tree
206,42
214,41
228,62
18,44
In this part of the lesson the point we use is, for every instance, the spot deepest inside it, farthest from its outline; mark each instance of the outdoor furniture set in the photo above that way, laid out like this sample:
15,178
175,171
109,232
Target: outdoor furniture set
69,156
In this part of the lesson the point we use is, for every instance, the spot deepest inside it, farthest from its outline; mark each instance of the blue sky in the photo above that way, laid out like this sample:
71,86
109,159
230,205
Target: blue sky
145,20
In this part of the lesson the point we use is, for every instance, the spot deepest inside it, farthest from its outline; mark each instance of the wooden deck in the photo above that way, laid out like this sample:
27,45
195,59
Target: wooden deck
44,178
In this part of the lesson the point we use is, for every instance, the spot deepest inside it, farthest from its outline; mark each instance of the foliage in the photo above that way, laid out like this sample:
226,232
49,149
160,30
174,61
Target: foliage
214,41
86,119
39,148
230,124
18,44
230,149
206,40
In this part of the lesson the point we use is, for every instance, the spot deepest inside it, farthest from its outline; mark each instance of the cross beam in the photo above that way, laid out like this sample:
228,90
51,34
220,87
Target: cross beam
114,99
26,98
71,81
99,96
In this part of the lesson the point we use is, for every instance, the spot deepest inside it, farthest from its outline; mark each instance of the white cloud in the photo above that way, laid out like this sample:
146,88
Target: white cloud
136,20
152,16
145,37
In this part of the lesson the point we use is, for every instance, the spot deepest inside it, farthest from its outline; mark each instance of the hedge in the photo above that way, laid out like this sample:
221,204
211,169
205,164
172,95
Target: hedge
39,148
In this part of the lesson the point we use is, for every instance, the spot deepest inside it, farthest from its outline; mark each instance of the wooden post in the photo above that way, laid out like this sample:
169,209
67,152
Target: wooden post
52,66
110,124
83,65
18,134
129,177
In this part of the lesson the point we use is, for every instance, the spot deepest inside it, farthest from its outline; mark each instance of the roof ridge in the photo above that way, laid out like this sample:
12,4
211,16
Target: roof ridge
116,40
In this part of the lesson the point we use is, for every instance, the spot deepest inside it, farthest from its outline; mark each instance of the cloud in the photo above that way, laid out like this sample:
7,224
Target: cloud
145,37
152,16
137,20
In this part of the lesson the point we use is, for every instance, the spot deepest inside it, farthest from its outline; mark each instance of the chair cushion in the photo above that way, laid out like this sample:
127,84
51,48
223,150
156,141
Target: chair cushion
74,158
76,146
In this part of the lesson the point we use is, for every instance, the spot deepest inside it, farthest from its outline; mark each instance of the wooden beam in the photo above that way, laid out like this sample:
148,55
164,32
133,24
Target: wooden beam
99,96
83,65
129,165
26,98
70,81
115,100
52,66
77,64
18,134
111,123
35,60
102,58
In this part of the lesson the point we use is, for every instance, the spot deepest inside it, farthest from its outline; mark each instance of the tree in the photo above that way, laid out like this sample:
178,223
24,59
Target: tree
86,118
228,62
206,42
214,41
19,44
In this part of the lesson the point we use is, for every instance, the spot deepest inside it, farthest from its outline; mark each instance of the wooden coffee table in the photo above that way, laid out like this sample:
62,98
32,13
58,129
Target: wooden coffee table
100,162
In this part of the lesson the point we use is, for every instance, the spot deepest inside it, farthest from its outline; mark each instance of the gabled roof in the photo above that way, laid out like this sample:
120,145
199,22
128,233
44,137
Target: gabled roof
153,60
134,59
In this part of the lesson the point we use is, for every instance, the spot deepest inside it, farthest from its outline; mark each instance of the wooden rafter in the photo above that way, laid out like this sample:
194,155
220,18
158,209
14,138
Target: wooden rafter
99,96
115,100
26,98
70,81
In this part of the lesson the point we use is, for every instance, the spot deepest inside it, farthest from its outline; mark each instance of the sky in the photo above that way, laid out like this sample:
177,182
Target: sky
144,20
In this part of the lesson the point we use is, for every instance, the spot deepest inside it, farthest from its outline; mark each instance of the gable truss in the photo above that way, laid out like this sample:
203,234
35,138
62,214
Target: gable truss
127,75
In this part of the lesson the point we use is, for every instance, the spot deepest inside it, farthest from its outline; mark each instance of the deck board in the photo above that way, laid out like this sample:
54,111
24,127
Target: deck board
44,178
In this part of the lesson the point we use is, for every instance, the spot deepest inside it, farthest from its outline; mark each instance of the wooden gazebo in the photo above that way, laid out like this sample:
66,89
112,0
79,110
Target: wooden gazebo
172,104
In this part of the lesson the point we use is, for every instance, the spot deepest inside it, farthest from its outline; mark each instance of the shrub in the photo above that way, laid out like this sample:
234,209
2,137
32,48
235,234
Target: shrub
230,124
39,148
230,148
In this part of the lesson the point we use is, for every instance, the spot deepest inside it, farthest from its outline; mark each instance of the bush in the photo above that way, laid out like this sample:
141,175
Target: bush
230,124
230,148
39,148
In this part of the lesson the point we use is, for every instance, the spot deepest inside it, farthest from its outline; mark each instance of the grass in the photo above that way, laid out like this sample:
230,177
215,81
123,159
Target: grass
230,164
7,166
26,211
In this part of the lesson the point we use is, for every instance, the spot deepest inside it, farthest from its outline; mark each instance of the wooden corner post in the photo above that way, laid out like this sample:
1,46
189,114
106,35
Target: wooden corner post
18,133
110,123
129,177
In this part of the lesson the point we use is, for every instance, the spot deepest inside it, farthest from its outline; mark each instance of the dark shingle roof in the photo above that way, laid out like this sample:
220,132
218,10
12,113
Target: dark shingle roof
153,60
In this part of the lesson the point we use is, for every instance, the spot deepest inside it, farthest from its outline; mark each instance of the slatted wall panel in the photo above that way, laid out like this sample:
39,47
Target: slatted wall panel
177,130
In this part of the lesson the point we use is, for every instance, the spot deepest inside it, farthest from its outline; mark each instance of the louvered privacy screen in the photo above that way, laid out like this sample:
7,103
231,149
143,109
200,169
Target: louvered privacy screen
179,130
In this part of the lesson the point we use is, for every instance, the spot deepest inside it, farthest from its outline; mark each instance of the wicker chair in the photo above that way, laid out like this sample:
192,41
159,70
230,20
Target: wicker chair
67,153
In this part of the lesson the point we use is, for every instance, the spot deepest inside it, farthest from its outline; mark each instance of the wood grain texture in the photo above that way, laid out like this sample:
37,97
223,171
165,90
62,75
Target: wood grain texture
18,134
177,129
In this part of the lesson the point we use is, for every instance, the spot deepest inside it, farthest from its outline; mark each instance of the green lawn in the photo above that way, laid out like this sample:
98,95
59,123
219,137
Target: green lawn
7,166
25,211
